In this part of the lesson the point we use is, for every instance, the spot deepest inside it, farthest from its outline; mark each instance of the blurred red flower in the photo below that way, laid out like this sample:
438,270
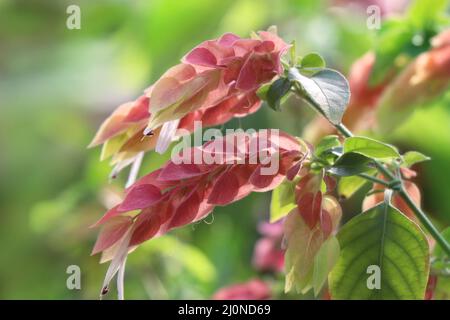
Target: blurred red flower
267,254
252,290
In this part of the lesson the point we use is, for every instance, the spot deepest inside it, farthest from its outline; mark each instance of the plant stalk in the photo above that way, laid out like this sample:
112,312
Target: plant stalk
425,221
374,179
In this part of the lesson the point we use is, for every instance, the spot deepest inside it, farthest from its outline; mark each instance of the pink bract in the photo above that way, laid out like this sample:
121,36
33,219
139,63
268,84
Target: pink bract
182,193
216,81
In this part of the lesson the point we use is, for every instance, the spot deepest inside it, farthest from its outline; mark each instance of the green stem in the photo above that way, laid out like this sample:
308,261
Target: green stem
425,221
342,129
374,179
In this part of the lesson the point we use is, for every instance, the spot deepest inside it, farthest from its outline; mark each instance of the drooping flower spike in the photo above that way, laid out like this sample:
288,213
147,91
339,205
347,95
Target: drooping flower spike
182,193
216,81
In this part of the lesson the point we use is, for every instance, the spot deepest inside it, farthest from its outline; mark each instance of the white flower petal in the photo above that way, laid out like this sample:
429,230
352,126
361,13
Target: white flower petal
166,135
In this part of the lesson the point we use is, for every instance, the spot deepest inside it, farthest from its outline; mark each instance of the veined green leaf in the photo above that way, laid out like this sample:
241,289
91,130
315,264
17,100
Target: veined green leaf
283,200
350,164
328,88
370,148
383,238
410,158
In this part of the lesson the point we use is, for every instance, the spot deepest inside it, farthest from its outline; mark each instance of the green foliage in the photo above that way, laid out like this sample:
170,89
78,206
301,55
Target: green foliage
350,164
410,158
424,13
328,89
276,92
384,237
326,145
406,37
312,63
370,148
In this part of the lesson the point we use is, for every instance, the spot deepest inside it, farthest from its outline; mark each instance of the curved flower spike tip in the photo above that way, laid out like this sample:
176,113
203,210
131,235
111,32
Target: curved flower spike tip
216,81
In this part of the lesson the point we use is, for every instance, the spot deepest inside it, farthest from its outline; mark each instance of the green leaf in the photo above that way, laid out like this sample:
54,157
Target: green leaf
349,185
326,144
382,237
350,164
277,91
410,158
283,200
370,148
393,40
313,60
324,261
400,40
328,89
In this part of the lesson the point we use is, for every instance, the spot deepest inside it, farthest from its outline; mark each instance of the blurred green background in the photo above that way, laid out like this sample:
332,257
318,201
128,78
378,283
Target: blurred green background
57,85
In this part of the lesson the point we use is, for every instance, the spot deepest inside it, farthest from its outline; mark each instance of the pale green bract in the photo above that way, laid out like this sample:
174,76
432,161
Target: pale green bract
283,201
